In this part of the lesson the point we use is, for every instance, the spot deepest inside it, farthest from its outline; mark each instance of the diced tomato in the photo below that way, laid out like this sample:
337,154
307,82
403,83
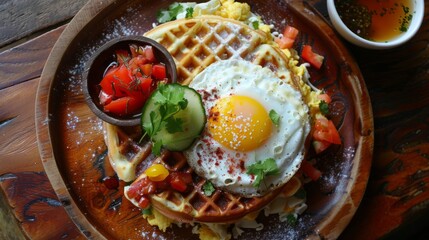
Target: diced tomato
311,57
179,181
310,171
320,146
149,54
123,106
290,32
135,64
146,69
134,50
128,82
288,39
284,42
158,71
144,202
122,56
144,84
134,189
104,98
116,82
325,97
178,185
324,130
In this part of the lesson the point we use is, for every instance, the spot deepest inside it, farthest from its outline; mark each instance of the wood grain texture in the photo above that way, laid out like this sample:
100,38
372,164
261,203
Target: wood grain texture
36,206
26,61
24,187
17,125
24,17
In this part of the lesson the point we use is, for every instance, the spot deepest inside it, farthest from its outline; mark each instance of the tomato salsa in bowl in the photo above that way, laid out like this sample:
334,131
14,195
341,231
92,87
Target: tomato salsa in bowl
122,74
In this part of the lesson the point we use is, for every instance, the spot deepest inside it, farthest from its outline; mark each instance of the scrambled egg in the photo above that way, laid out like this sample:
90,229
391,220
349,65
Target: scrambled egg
233,10
155,218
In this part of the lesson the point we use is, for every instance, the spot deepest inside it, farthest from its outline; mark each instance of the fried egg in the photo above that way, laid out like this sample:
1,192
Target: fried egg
238,97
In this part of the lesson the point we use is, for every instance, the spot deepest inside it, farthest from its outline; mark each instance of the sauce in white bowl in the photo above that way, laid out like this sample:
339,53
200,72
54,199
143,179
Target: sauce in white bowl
376,24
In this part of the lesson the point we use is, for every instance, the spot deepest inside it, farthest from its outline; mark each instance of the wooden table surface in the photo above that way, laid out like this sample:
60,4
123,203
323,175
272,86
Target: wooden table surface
396,201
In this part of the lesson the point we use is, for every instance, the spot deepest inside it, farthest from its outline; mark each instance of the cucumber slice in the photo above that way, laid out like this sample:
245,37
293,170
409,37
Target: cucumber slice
193,117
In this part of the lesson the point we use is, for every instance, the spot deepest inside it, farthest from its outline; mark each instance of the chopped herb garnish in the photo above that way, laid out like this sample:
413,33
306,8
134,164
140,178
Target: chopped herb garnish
170,14
261,169
156,148
208,188
324,107
170,101
147,211
189,12
255,24
275,117
291,219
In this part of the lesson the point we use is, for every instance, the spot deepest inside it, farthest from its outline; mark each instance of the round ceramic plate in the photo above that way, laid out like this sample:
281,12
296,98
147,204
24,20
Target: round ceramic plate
74,155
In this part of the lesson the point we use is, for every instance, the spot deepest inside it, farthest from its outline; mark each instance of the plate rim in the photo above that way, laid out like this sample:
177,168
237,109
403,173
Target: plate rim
360,93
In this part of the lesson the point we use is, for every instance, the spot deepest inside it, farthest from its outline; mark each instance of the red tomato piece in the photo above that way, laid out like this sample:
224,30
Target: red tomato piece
116,82
122,56
104,98
311,57
144,202
107,83
158,71
123,106
290,32
178,185
179,181
134,49
324,130
135,64
288,39
149,54
146,69
134,189
310,171
284,42
325,97
145,84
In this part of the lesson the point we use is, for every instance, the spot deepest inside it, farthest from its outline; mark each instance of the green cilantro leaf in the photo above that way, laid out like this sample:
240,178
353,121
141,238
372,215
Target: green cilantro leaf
170,14
255,24
275,117
261,169
169,101
291,219
147,211
156,148
189,12
208,188
174,125
324,107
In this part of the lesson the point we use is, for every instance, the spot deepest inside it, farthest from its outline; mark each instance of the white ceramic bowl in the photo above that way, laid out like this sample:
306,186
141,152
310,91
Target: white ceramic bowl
350,36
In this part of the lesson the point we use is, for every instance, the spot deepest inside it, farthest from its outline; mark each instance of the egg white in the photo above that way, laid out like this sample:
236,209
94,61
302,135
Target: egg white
224,167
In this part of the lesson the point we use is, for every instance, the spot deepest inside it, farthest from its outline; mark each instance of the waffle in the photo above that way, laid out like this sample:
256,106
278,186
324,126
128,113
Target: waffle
198,42
194,45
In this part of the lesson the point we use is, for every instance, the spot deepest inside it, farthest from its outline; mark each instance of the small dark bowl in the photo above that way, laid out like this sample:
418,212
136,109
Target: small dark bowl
102,58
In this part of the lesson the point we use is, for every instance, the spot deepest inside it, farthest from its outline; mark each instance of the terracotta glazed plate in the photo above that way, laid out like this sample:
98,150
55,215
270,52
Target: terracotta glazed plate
74,154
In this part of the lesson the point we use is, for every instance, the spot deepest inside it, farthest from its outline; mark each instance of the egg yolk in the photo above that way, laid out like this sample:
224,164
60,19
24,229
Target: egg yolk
239,123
